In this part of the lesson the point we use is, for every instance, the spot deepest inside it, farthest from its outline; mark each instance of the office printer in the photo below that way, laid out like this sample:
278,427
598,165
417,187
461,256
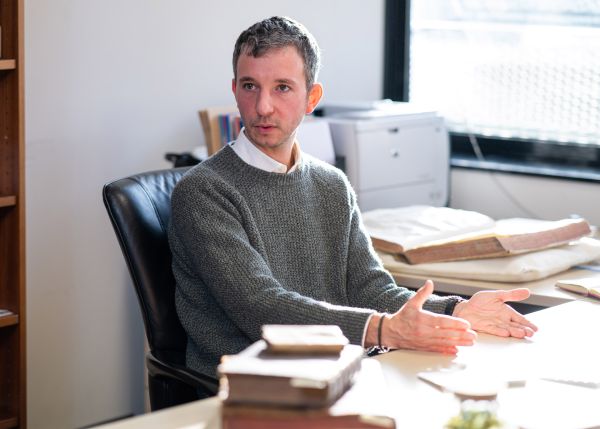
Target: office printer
396,154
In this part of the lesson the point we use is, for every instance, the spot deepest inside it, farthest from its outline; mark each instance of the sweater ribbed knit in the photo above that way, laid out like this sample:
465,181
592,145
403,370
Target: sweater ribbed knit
252,248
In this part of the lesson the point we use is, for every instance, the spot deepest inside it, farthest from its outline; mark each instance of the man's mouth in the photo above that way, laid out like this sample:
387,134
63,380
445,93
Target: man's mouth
264,127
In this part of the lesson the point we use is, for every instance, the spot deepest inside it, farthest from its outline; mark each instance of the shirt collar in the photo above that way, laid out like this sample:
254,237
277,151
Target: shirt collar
253,156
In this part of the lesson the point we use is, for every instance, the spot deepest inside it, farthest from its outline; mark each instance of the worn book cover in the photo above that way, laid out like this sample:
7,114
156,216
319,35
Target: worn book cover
256,376
306,339
432,240
367,404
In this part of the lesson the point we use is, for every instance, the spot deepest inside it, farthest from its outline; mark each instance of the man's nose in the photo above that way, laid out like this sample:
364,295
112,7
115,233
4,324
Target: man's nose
264,103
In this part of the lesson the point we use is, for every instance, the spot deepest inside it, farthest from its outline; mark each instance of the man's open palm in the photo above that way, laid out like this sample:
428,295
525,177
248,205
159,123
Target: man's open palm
488,312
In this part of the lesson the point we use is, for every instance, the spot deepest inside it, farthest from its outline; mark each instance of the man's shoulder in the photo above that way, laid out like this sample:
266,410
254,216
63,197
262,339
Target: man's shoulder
325,171
207,173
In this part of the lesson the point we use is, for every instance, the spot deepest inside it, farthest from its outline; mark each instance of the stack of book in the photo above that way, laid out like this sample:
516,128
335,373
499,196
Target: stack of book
302,377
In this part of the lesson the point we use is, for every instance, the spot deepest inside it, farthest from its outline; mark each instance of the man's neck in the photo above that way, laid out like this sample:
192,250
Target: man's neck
285,153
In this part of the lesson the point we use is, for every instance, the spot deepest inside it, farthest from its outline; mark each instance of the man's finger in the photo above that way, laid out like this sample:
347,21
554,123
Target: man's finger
518,294
450,322
419,298
519,318
450,337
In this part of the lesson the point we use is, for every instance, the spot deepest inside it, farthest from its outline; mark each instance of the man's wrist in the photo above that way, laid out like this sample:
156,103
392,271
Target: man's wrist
371,338
454,304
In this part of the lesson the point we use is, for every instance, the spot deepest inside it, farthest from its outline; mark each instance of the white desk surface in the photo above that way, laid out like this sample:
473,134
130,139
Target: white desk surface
544,292
566,339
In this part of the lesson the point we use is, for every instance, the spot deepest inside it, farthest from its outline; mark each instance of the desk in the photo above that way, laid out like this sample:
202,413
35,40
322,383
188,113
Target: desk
564,339
544,293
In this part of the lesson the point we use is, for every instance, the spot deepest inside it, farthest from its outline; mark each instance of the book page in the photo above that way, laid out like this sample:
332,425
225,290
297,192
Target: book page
414,226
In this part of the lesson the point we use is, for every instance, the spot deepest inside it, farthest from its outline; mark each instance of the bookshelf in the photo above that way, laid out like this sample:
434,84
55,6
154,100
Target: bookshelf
12,218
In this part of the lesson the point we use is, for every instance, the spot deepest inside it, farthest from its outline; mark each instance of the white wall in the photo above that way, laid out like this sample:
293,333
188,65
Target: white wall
511,195
112,85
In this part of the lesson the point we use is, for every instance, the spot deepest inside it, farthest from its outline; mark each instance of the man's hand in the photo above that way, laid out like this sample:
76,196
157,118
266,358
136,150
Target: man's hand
414,328
487,312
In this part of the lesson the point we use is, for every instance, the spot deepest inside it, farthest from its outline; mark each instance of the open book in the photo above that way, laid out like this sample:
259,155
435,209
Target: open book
589,286
421,234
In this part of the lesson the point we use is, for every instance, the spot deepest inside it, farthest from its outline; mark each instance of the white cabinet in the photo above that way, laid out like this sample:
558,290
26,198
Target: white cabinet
395,161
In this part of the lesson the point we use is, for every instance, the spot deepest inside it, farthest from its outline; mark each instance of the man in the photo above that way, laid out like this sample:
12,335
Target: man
262,233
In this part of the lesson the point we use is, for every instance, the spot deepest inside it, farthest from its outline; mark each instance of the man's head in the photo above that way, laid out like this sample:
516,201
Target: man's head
272,86
275,33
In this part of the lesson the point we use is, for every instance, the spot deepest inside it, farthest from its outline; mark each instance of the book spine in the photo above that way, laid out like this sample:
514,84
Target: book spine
306,422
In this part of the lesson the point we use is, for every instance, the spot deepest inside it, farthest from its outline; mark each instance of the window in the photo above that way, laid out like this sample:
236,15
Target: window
518,81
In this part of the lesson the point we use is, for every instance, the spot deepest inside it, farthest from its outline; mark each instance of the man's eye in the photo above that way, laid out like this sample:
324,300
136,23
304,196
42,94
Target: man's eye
249,86
283,88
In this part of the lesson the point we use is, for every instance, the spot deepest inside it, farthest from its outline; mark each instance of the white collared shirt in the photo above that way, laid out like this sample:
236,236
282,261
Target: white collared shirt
253,156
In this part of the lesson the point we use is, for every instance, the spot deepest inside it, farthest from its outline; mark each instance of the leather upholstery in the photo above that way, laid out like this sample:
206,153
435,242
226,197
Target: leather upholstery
139,208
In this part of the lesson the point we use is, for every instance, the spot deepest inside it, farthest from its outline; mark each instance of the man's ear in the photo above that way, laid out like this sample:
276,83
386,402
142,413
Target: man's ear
314,96
233,85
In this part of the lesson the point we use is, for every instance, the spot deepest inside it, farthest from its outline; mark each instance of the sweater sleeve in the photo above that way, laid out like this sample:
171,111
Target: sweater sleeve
214,239
369,283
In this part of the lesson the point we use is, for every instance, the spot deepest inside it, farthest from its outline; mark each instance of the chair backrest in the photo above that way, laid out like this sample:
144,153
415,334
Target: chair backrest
139,208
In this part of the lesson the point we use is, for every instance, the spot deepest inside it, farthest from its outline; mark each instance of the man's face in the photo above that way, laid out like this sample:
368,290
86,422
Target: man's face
271,95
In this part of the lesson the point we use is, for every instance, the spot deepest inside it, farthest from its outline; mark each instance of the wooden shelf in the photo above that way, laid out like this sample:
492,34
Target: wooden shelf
8,64
9,320
13,374
8,201
8,423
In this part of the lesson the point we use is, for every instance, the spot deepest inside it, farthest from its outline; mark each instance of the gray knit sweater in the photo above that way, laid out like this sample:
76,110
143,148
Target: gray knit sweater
252,247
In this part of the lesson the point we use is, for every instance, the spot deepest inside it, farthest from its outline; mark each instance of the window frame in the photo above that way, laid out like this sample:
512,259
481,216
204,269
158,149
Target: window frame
573,161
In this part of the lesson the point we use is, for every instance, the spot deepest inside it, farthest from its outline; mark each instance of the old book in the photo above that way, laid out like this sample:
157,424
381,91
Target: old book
367,404
306,339
394,230
256,376
429,240
589,286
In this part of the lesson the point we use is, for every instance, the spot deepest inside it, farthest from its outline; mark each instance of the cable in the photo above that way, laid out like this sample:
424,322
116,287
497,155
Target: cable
507,193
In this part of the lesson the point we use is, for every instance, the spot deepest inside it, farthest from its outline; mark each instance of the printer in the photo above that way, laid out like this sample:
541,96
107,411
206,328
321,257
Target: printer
396,154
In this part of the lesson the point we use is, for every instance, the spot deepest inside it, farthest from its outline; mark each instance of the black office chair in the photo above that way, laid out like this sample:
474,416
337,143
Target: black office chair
139,208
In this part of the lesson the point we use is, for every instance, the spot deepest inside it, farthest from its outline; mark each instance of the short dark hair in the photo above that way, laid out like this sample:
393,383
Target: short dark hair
279,32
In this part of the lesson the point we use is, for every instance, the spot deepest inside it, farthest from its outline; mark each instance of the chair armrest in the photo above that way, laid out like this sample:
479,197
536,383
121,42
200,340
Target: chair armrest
157,367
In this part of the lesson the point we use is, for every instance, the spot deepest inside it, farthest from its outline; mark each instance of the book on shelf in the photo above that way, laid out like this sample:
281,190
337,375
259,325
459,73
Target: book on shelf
422,234
5,312
589,286
304,339
220,125
367,404
302,380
